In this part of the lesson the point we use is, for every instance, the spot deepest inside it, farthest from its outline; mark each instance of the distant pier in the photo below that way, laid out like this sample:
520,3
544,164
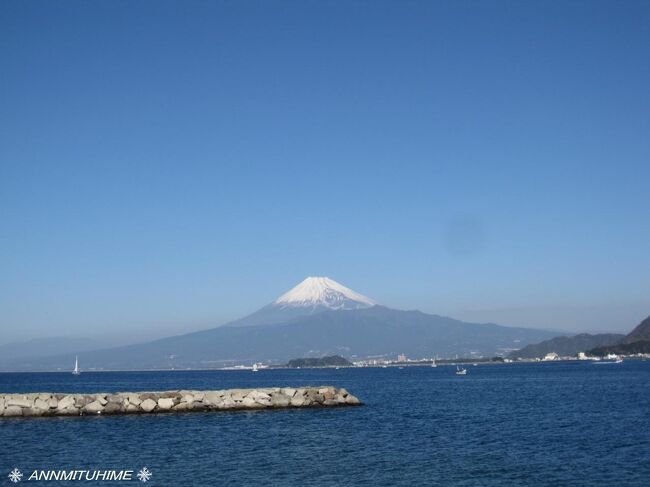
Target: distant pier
51,404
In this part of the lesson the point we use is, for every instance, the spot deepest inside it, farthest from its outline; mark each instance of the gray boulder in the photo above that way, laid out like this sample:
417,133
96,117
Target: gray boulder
66,402
135,399
350,399
113,408
94,407
148,405
212,398
42,405
280,400
20,401
165,403
11,411
297,400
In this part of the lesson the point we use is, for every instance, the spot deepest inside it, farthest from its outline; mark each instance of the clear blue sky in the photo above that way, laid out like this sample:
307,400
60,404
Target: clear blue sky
168,166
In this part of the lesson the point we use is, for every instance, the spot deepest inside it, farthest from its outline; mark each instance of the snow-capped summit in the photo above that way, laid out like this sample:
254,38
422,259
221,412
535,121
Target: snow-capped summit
323,291
313,295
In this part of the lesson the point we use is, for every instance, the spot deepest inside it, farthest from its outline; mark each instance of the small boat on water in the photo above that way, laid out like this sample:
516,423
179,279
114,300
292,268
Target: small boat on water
255,369
610,359
76,370
460,371
433,363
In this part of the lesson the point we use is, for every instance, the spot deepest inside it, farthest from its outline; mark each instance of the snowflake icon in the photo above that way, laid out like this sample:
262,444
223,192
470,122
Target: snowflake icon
15,475
144,475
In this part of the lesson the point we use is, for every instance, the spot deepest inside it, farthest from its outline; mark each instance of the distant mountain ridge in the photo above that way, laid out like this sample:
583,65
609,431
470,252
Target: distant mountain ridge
640,332
366,332
637,341
567,345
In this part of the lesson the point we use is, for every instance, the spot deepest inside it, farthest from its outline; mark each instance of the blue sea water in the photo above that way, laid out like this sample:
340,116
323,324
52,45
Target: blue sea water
577,424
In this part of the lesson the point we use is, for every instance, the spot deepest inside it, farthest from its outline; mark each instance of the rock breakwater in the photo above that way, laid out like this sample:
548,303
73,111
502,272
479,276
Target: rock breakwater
50,404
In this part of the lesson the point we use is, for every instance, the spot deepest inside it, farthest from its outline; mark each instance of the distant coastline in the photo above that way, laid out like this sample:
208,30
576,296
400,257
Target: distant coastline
440,362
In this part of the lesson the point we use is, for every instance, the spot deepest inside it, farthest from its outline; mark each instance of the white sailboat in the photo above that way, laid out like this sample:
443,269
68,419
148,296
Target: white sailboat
255,369
460,371
433,363
76,370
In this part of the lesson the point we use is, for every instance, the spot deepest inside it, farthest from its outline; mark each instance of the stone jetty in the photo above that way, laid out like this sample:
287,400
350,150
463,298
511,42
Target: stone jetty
48,404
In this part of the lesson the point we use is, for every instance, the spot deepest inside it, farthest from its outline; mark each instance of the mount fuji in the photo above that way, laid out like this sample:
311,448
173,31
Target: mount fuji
317,317
323,292
311,296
